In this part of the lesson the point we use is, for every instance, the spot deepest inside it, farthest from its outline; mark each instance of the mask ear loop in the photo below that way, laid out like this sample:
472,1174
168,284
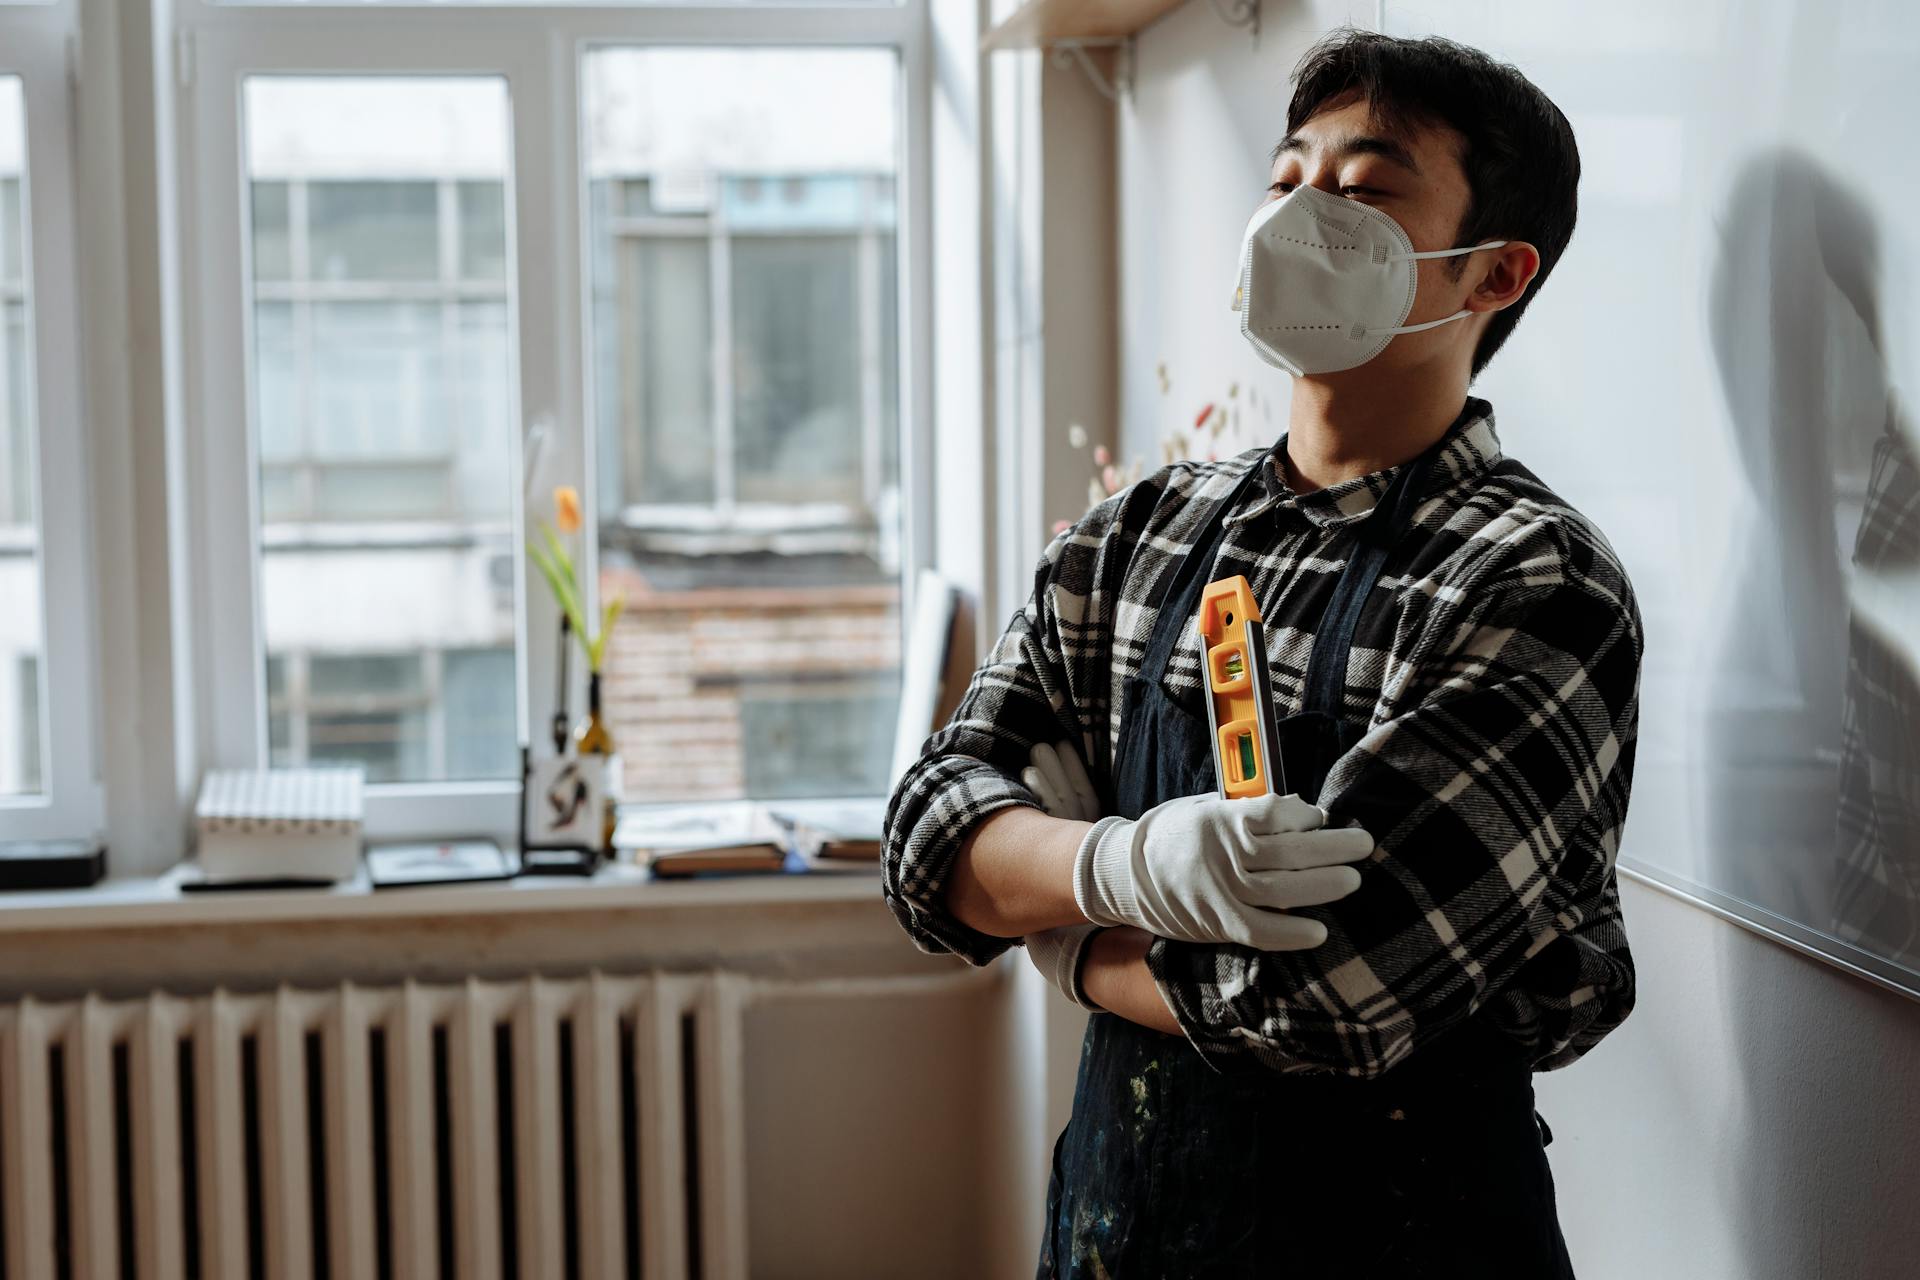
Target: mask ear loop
1435,253
1360,332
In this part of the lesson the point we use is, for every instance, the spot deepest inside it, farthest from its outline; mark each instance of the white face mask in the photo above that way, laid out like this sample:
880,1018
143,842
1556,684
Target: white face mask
1325,282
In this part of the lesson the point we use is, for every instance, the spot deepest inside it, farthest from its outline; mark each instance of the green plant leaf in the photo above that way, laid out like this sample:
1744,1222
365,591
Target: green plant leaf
609,614
563,589
558,550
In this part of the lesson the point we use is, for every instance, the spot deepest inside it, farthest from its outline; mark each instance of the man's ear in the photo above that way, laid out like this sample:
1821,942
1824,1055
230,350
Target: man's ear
1505,278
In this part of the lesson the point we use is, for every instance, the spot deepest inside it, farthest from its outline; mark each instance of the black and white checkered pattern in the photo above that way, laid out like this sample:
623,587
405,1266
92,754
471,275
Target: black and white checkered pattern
1877,890
1498,666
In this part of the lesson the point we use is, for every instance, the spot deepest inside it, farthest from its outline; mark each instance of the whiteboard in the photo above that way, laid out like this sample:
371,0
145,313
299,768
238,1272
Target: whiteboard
1707,375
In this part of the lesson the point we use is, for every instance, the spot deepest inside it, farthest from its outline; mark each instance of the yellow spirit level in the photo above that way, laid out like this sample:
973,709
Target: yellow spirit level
1246,757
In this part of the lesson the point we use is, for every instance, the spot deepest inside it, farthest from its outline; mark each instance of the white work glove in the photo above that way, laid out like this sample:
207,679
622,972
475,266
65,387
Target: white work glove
1059,780
1058,955
1057,777
1204,869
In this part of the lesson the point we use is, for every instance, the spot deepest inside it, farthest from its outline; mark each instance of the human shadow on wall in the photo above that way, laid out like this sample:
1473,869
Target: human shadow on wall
1812,816
1772,696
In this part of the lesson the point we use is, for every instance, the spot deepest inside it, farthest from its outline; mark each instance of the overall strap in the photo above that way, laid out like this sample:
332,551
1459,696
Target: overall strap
1376,536
1182,593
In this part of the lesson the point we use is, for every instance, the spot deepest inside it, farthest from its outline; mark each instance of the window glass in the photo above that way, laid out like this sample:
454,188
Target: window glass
386,230
483,231
796,409
663,320
21,695
480,710
272,247
742,243
29,760
475,4
818,742
383,411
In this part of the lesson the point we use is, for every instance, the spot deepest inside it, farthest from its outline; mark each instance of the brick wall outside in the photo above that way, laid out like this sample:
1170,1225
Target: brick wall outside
671,688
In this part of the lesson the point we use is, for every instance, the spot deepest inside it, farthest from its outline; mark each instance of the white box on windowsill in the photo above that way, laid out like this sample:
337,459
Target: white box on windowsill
280,824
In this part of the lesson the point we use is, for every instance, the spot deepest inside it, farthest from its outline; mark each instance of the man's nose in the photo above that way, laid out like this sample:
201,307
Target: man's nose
1327,180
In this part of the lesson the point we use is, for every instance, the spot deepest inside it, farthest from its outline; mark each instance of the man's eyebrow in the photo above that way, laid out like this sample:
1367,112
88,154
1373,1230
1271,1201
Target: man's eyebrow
1354,145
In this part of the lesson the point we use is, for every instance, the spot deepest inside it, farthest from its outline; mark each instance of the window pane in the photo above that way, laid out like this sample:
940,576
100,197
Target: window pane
383,413
480,712
28,762
483,231
796,403
812,742
370,709
664,386
481,4
380,381
742,245
364,679
373,230
272,246
21,693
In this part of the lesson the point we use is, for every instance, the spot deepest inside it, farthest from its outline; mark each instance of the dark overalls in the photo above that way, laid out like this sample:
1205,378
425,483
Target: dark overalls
1171,1169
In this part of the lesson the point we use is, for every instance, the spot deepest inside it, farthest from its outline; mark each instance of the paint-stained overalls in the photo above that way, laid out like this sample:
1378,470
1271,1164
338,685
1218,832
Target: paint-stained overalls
1171,1169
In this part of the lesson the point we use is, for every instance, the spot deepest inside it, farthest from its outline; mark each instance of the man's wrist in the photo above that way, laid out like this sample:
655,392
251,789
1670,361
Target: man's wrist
1013,873
1114,976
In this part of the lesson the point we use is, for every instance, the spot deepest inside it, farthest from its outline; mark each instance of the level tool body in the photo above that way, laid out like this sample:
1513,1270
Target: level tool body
1246,751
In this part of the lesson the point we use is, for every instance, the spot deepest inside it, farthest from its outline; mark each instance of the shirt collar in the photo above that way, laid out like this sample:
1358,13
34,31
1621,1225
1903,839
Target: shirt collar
1469,448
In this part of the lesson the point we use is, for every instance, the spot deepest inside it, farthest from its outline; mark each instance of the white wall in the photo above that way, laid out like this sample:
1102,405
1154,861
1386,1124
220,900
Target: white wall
1756,1117
1206,109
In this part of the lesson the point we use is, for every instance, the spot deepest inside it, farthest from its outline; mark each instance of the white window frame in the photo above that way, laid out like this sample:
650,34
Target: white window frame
36,44
538,50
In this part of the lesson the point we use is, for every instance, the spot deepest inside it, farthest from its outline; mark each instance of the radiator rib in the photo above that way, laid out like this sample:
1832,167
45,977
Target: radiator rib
285,1164
27,1135
410,1131
223,1192
154,1083
476,1148
597,1111
349,1106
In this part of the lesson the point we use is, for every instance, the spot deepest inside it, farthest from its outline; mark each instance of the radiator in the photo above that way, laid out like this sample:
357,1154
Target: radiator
535,1129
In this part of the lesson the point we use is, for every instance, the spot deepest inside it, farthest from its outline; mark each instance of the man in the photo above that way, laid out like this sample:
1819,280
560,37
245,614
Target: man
1317,1014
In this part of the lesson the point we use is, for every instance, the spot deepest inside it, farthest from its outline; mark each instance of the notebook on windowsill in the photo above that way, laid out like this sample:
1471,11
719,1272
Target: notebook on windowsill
729,836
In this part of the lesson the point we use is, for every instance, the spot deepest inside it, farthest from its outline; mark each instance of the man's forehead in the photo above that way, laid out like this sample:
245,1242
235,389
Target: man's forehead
1353,129
1342,143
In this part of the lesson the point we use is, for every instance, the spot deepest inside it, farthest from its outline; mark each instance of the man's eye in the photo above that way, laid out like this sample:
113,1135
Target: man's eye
1362,191
1281,187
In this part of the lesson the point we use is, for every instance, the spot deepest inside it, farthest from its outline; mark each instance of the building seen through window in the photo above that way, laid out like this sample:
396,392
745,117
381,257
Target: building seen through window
743,213
383,414
741,209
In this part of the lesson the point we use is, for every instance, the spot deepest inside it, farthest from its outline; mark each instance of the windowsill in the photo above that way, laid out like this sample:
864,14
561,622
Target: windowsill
127,937
159,901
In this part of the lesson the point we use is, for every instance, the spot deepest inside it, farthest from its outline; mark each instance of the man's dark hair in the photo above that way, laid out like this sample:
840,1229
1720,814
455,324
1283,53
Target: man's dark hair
1521,163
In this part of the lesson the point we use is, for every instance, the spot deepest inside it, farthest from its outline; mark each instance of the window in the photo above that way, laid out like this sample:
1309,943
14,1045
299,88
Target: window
679,262
48,768
420,713
382,415
20,730
743,241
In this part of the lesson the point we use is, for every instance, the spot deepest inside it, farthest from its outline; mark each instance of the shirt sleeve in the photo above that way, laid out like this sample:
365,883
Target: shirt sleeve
1024,693
1496,799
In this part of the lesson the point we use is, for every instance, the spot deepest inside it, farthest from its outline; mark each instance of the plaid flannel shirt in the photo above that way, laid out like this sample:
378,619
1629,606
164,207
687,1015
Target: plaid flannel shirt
1497,665
1877,889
